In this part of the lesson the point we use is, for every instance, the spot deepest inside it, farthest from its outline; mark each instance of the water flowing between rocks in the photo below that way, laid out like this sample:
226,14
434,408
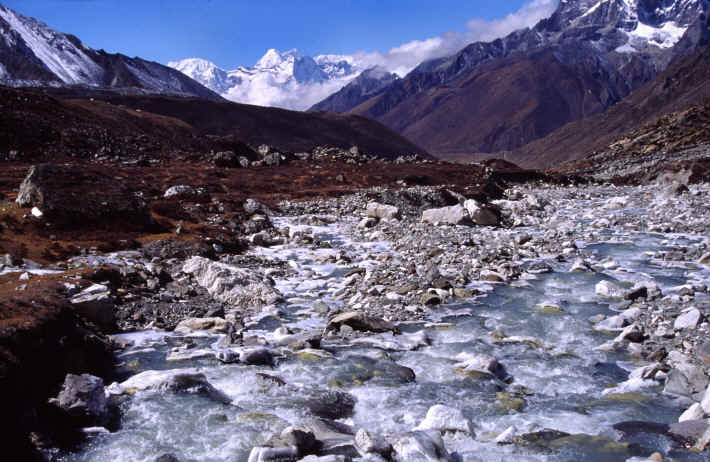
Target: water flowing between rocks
549,370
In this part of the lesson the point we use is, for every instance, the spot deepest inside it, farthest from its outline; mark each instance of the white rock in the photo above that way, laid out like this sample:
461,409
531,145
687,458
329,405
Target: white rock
507,436
377,210
238,287
454,215
445,419
479,214
689,319
420,446
608,289
694,412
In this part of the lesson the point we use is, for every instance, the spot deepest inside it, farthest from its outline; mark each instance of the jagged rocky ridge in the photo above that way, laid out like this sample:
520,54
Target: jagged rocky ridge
32,54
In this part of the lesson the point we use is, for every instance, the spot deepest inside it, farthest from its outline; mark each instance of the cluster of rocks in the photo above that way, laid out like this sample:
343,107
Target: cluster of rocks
355,156
269,156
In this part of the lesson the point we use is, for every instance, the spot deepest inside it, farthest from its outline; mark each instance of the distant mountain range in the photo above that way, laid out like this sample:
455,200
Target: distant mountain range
493,98
32,54
286,79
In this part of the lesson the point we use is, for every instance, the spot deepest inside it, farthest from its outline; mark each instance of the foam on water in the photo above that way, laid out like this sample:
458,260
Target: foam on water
562,381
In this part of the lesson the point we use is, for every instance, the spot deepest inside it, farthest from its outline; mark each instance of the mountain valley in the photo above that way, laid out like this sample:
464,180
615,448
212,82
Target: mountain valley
502,255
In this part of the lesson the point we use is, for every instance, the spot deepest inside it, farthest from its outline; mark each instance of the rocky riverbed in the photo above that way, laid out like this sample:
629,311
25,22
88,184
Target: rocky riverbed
556,323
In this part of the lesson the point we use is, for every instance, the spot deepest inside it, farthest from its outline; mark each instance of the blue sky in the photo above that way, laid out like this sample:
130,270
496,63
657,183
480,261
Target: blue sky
238,32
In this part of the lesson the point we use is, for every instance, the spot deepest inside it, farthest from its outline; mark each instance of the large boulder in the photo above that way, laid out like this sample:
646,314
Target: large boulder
72,197
453,215
360,321
176,381
83,397
686,379
481,214
377,210
228,284
98,305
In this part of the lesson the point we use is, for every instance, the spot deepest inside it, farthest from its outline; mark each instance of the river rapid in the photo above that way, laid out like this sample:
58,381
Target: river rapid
484,371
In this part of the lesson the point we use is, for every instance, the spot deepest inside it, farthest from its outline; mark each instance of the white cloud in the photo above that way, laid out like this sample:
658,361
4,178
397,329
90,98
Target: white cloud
528,15
263,91
407,56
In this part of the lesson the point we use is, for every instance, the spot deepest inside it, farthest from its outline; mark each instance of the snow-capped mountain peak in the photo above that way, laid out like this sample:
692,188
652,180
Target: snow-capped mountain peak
286,79
273,59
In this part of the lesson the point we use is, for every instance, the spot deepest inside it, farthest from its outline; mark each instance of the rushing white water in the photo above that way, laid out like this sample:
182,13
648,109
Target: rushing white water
562,381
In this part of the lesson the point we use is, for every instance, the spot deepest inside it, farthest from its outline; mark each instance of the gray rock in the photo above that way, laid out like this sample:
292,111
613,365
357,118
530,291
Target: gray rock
633,333
304,441
453,215
686,379
31,192
360,321
367,222
227,356
431,299
688,320
482,364
195,383
180,190
257,357
327,404
252,206
234,286
83,397
689,431
337,438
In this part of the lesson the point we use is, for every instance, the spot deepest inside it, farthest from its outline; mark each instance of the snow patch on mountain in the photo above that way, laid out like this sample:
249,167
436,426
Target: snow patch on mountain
62,57
282,79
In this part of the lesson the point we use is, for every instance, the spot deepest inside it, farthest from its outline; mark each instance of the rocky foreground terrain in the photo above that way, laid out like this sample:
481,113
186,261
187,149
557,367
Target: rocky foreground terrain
344,307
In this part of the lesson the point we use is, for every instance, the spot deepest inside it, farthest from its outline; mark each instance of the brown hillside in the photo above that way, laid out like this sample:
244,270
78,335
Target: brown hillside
684,84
